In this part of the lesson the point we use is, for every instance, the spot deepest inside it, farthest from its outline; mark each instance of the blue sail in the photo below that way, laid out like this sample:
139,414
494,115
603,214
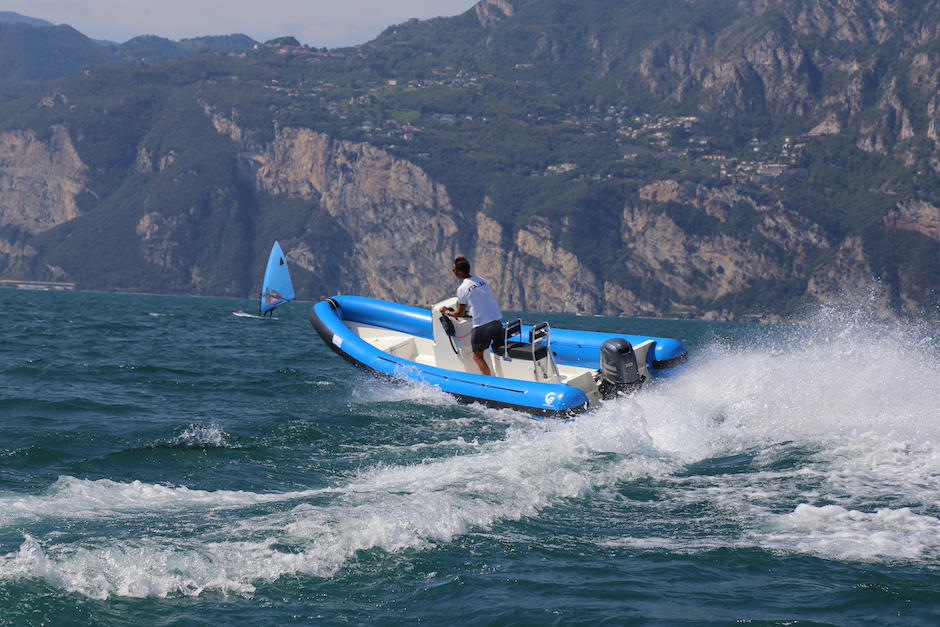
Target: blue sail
277,288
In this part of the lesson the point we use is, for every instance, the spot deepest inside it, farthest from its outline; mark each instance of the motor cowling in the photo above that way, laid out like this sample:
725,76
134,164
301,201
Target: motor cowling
619,371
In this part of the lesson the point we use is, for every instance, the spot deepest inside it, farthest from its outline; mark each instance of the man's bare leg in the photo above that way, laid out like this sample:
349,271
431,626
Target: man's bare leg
481,363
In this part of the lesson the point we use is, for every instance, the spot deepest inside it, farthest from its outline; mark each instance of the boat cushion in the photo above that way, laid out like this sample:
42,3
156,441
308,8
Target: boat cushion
520,350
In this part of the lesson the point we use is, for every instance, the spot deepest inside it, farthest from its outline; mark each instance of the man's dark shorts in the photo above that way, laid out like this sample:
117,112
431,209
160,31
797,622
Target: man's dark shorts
483,335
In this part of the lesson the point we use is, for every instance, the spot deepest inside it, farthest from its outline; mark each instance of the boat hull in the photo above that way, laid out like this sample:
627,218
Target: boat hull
333,319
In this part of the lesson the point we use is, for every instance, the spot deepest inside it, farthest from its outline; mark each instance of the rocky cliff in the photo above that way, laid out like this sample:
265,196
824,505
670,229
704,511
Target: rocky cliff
400,223
39,180
402,230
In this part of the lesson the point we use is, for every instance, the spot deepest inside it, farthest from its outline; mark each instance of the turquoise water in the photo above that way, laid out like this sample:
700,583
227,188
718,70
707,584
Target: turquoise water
163,462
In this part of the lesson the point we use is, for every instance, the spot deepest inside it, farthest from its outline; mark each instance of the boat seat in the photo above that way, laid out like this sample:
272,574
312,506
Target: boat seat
521,350
530,350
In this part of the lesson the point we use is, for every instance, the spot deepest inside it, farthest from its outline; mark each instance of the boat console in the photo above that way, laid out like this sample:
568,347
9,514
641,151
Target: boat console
452,338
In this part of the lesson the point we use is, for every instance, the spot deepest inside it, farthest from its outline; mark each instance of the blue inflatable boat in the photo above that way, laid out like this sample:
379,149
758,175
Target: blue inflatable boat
538,370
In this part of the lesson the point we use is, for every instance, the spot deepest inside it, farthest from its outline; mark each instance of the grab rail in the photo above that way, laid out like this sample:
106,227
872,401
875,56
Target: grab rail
537,335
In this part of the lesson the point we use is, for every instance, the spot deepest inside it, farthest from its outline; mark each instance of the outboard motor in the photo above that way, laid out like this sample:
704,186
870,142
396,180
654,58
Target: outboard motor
619,371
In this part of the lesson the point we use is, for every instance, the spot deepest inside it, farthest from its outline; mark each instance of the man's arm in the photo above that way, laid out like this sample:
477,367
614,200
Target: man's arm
456,313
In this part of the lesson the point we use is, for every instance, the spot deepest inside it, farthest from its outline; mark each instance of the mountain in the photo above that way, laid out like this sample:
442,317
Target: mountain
16,18
714,159
34,53
153,49
34,56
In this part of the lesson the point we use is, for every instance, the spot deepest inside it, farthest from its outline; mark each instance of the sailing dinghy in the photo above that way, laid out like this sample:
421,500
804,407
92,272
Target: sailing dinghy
276,289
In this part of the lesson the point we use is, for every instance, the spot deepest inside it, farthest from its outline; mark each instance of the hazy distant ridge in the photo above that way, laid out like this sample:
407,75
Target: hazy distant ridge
16,18
34,53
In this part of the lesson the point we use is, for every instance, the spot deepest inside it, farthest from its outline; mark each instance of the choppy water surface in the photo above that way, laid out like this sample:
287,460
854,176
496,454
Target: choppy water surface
165,462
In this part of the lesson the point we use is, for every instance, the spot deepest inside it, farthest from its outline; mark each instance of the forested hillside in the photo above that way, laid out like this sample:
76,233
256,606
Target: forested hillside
712,159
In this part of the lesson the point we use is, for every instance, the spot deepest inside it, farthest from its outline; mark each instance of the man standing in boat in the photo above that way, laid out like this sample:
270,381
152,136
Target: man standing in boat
474,293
